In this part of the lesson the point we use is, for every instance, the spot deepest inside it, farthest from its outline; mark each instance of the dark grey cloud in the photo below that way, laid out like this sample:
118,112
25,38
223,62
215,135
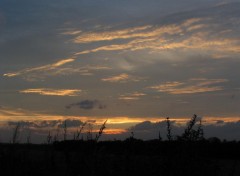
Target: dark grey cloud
220,129
227,130
147,125
46,123
35,124
70,123
87,105
219,122
150,130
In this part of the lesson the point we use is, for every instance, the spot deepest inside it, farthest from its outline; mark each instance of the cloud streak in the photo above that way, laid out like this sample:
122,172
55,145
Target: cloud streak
188,34
122,78
40,68
56,69
192,86
132,96
53,92
113,35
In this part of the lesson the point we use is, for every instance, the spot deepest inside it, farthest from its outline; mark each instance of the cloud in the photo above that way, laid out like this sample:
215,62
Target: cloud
112,35
185,42
132,96
142,37
145,33
4,111
44,68
70,123
191,86
148,125
150,130
53,92
72,32
122,126
57,69
12,114
189,31
87,105
87,70
223,130
122,78
35,124
118,78
219,128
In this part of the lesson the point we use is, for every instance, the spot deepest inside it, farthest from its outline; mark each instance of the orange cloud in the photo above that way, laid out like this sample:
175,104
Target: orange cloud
118,78
112,35
41,68
122,78
192,34
132,96
114,131
53,92
190,87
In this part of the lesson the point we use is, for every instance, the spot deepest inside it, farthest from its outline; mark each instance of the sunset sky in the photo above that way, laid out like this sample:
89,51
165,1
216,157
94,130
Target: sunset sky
133,62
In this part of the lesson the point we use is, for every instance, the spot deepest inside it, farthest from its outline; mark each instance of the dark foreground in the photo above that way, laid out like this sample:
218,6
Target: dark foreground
121,158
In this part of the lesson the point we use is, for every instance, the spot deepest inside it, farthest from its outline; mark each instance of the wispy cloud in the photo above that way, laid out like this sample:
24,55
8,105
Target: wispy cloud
44,68
53,92
72,32
111,35
87,70
122,78
132,96
139,39
199,40
4,111
191,34
190,87
56,69
9,114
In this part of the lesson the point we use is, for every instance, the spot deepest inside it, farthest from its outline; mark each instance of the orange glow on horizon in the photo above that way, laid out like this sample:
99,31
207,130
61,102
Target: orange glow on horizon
7,114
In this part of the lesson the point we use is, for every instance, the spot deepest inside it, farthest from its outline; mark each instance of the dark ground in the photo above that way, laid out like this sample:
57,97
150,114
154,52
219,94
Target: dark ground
122,158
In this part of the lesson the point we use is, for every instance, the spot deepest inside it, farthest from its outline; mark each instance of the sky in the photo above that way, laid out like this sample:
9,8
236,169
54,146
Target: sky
133,62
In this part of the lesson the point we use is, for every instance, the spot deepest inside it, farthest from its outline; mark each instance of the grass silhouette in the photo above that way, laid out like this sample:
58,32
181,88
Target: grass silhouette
187,154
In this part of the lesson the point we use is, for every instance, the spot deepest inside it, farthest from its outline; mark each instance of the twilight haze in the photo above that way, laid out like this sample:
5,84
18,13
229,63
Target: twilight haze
133,62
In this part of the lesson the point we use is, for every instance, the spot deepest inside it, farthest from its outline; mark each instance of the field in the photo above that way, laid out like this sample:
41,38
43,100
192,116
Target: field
128,157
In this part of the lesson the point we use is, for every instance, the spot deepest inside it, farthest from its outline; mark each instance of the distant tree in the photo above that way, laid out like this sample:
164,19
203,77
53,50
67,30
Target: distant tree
49,138
214,140
200,132
74,136
190,134
55,138
65,130
169,130
16,133
159,136
132,135
29,137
